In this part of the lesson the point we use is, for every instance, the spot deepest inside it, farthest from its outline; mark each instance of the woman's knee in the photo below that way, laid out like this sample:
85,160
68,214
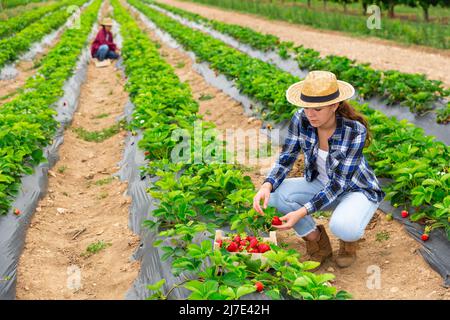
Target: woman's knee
277,202
346,230
351,216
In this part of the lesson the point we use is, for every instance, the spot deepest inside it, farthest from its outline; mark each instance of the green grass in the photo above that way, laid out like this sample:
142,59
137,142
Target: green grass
382,236
407,32
101,116
180,65
102,182
9,95
325,214
102,195
62,169
204,97
96,247
99,136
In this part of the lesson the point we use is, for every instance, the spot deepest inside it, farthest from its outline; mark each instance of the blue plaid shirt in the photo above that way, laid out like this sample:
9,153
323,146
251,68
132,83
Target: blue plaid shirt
346,165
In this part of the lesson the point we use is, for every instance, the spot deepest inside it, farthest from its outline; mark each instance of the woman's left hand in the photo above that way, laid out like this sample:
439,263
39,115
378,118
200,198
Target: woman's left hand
290,219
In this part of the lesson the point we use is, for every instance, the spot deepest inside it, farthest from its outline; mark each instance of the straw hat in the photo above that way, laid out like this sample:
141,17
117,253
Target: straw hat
106,22
319,89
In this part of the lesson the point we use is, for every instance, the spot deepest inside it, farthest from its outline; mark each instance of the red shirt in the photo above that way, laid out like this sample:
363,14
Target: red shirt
103,37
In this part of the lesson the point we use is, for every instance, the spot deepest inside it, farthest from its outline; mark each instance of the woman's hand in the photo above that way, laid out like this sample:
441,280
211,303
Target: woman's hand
262,194
290,219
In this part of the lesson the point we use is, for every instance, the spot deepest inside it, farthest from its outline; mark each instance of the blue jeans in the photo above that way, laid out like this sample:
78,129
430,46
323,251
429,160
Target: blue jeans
103,53
352,211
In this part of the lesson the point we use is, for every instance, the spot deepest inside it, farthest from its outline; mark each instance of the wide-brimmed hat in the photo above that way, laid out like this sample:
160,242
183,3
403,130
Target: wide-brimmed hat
106,22
320,88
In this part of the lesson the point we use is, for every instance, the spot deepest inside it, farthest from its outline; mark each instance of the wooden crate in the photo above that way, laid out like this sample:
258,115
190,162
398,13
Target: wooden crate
254,256
102,64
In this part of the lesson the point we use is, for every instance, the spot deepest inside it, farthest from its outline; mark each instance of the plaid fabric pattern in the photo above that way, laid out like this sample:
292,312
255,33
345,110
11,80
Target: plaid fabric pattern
346,165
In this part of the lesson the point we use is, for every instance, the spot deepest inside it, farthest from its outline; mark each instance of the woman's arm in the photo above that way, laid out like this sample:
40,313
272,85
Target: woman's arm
288,155
343,174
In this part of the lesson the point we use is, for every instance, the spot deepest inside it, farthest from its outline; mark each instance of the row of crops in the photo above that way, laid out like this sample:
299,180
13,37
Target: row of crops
197,198
5,4
27,122
20,42
411,90
17,23
409,32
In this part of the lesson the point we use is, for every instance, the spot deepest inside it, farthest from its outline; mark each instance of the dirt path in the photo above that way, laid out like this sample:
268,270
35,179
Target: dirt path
9,88
381,54
83,197
404,273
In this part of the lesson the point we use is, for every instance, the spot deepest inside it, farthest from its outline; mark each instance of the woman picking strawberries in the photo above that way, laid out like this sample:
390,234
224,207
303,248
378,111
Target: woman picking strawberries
332,135
103,46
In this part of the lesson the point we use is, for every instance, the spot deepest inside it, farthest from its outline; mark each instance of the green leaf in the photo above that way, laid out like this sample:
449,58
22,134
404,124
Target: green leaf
227,291
232,279
321,278
302,281
309,265
156,286
307,295
245,289
274,294
194,286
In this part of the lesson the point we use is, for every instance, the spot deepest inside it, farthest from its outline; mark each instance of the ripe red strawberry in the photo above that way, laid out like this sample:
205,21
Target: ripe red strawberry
405,214
232,247
253,243
241,248
249,238
276,221
243,242
219,242
263,248
17,212
253,251
259,286
425,237
237,239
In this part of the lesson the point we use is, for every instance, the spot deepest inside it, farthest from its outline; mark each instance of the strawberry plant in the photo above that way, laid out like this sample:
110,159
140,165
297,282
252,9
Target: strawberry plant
443,114
27,122
17,23
11,48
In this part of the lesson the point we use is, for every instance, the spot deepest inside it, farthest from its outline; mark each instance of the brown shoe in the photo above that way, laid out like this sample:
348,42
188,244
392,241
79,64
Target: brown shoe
320,249
347,253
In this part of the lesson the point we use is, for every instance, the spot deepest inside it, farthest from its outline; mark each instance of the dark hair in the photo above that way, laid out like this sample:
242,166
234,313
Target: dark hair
347,111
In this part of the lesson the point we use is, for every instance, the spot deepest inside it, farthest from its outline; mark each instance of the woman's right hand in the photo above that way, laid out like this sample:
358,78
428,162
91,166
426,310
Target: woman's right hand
264,195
